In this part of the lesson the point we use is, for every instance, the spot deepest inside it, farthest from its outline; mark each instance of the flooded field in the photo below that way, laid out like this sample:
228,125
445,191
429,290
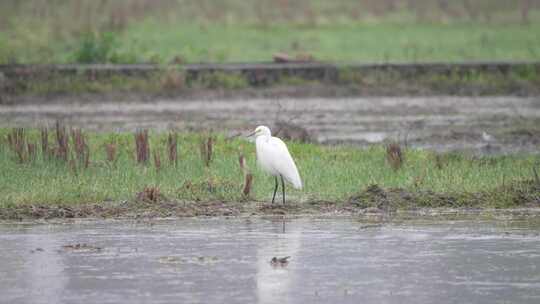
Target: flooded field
487,125
224,260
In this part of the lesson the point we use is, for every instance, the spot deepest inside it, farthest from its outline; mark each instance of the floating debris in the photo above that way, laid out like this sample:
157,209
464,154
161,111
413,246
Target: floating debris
199,260
280,262
370,226
171,260
81,247
206,260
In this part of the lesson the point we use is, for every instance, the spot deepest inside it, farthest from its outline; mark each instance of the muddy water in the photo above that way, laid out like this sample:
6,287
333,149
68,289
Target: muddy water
442,123
228,261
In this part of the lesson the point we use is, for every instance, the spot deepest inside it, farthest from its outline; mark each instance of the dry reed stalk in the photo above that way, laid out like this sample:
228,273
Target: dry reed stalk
44,141
111,152
536,178
82,151
142,146
394,156
206,148
62,150
242,162
31,148
172,148
210,144
17,142
78,141
248,180
439,162
72,165
157,160
419,180
87,158
248,177
203,148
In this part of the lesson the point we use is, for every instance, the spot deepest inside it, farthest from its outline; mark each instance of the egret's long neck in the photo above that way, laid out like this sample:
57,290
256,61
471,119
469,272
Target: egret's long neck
264,137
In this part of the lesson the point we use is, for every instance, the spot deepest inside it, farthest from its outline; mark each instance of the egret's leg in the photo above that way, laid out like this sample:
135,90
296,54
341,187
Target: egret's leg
283,188
275,190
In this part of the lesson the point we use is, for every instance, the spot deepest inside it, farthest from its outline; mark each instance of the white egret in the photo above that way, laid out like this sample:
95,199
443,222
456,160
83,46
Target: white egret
274,158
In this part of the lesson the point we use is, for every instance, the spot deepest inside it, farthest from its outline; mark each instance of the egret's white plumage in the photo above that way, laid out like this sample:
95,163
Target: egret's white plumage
274,157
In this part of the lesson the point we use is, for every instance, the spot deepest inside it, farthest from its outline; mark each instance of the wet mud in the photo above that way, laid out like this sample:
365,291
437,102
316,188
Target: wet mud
481,125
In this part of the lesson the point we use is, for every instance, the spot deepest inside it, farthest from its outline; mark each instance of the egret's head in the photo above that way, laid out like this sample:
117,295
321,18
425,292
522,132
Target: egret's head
261,130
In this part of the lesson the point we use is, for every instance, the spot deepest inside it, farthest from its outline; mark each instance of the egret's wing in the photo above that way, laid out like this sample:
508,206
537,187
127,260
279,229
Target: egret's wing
281,161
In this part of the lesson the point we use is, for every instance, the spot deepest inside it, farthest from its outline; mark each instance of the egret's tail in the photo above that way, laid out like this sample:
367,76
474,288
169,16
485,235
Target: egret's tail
296,181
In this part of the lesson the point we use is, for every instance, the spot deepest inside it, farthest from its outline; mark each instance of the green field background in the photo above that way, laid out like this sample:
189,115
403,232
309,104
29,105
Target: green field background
164,31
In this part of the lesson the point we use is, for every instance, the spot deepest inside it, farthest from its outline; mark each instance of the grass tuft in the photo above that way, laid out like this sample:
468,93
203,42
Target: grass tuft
150,195
44,135
207,149
248,176
110,150
394,156
62,141
172,148
157,159
82,152
142,147
17,142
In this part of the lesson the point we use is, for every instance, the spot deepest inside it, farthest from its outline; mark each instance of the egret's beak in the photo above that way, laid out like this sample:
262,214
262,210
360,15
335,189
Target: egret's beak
251,134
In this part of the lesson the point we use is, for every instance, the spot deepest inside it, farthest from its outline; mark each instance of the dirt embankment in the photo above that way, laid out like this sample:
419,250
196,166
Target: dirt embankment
373,200
302,79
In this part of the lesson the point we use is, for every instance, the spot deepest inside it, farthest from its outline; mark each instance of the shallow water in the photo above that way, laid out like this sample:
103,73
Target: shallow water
228,261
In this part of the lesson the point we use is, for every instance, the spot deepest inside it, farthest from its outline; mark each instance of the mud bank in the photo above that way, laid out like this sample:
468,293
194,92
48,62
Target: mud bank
372,201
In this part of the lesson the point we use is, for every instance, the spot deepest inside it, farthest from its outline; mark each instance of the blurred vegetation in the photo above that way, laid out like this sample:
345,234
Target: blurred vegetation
174,80
127,31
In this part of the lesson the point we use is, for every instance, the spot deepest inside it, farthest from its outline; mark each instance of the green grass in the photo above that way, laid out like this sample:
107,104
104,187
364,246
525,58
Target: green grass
153,41
329,174
235,31
356,42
